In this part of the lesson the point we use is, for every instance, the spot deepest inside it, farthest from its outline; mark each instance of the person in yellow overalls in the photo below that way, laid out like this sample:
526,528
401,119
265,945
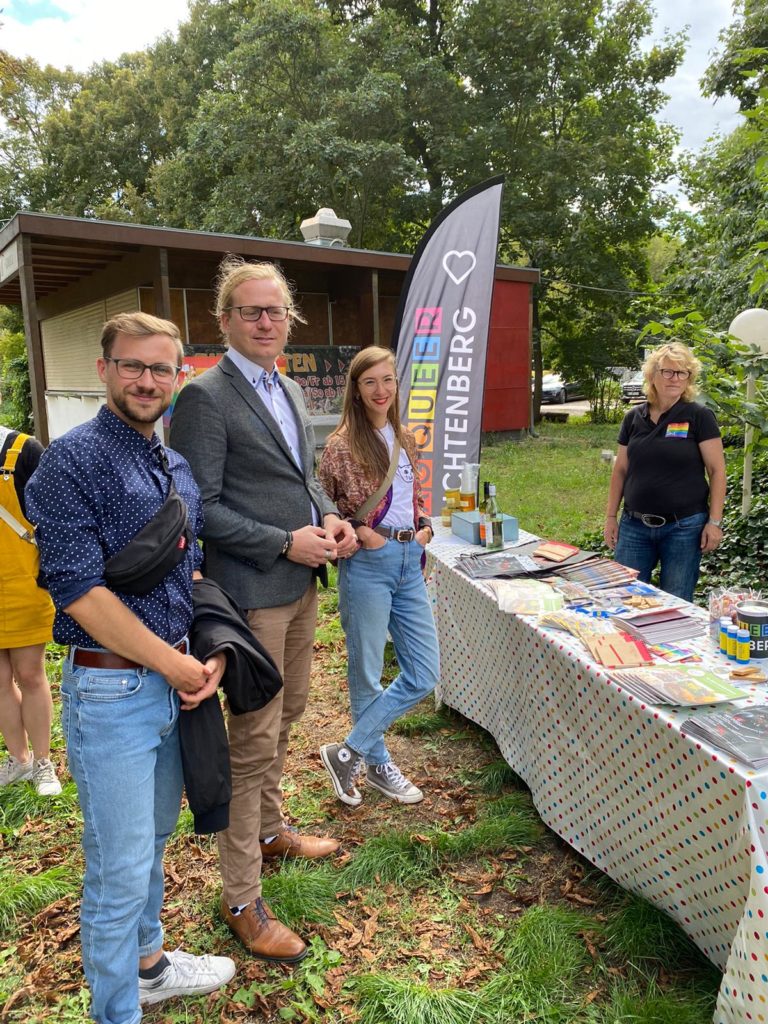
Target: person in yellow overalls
26,621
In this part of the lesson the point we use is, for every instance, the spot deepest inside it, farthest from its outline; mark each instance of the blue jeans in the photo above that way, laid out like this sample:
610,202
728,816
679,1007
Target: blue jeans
379,591
121,729
677,545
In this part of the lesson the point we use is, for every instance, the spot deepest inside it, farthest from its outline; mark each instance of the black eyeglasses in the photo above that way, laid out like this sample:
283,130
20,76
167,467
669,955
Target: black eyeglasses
132,369
675,374
254,312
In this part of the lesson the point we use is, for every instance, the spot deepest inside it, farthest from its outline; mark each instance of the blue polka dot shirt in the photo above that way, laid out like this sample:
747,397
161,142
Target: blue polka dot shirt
94,489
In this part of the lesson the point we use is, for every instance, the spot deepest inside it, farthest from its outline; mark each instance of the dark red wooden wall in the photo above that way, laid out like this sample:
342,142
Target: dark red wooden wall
508,361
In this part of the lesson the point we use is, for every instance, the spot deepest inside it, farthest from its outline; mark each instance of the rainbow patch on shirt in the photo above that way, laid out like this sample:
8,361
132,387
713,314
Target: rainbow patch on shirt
677,430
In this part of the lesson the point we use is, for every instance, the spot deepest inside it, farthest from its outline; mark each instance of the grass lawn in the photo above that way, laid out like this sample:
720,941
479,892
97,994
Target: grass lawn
461,909
556,484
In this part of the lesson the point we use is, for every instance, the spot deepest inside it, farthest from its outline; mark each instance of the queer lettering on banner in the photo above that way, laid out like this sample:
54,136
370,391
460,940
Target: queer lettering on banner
441,336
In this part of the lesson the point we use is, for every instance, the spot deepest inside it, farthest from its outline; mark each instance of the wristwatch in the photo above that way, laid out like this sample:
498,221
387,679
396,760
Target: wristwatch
716,522
287,544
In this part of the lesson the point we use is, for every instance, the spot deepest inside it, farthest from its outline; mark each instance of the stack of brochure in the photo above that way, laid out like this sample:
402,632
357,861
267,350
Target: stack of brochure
676,684
525,596
742,733
662,625
596,573
499,565
673,654
523,560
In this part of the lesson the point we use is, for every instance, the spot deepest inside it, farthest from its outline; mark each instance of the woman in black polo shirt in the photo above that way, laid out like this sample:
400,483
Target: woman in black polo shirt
670,471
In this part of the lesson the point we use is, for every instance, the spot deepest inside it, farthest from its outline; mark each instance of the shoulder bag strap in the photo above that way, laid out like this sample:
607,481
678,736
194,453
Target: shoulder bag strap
13,453
16,526
381,490
8,467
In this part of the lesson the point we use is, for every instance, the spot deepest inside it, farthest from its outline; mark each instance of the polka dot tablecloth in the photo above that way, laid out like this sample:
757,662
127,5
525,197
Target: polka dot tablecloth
673,820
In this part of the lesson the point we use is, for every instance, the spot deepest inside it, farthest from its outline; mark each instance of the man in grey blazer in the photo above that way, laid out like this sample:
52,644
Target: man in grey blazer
269,531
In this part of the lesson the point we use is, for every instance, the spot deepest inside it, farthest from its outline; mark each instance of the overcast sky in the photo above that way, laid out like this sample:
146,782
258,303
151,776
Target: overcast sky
82,32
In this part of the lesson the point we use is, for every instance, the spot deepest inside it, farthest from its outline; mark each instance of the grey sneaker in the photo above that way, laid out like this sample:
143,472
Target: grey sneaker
44,778
343,766
13,770
187,975
390,781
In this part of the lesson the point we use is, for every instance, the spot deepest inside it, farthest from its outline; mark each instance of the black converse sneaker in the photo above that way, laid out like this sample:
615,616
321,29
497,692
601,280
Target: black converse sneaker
343,766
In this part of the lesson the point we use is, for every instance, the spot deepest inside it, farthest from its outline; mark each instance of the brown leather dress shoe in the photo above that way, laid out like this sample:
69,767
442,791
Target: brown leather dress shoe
291,843
263,935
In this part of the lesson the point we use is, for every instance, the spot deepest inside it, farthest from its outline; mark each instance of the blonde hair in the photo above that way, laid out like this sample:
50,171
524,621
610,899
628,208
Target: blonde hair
365,443
675,352
138,325
234,271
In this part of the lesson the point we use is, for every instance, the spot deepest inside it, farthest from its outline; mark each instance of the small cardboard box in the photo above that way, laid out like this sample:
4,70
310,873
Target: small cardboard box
467,526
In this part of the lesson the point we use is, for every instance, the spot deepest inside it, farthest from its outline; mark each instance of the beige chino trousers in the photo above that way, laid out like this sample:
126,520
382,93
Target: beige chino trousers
258,742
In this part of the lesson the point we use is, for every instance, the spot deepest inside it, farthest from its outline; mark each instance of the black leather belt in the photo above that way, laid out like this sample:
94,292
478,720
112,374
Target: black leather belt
85,658
404,536
654,522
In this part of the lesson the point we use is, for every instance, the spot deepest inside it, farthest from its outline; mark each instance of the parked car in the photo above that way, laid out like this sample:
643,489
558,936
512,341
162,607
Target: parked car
633,390
555,389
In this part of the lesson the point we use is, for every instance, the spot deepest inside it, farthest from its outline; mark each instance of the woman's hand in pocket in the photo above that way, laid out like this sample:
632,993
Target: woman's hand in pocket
369,539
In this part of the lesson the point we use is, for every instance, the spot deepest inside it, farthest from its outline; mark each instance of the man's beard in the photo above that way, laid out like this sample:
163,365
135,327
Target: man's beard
141,413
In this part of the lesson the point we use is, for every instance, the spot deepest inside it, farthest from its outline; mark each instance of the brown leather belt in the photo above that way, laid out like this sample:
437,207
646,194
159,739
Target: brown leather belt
404,536
84,658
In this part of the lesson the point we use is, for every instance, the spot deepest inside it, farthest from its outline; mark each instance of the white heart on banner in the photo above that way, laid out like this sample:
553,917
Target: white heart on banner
461,258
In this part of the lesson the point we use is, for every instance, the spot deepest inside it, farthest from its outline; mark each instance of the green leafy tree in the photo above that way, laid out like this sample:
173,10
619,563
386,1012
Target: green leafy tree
259,111
726,364
721,235
30,172
107,139
739,69
15,394
565,104
304,112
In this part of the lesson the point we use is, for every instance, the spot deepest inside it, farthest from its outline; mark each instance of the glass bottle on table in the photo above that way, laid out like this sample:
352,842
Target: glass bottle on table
450,505
468,487
483,510
494,523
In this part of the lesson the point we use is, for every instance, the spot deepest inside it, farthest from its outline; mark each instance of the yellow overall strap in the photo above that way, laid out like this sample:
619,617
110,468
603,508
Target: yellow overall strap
9,466
13,453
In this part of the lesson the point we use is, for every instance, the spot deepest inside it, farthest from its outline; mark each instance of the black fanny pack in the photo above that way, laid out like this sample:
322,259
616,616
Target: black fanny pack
155,551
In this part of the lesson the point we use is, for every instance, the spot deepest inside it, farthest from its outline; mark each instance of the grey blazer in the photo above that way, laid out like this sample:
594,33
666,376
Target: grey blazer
252,489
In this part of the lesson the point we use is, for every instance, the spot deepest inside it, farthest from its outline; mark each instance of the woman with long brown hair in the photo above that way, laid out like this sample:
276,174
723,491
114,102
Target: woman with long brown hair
369,468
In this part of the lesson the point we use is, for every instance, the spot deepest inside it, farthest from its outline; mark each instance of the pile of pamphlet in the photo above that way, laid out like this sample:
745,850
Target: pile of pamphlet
546,558
662,625
525,596
740,733
676,684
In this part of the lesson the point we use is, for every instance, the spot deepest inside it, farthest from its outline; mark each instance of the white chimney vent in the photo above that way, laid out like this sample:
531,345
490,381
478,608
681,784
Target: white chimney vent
325,228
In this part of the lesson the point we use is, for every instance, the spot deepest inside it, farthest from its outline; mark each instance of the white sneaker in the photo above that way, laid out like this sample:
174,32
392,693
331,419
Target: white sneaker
13,770
187,975
44,778
390,781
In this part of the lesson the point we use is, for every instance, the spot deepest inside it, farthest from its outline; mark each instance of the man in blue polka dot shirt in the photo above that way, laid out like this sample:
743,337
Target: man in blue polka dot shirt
128,673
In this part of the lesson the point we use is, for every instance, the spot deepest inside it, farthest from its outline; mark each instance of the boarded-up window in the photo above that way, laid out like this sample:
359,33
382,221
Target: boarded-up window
148,305
314,308
71,347
71,342
203,329
125,302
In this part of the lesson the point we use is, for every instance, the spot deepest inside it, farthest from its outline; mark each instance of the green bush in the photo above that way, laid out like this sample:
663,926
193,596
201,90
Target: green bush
742,557
16,407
